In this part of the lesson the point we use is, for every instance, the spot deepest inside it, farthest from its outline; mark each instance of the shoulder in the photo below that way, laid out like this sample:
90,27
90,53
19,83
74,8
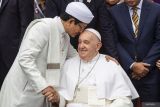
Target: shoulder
156,6
48,24
118,6
72,60
41,24
151,7
43,21
47,20
109,63
117,9
109,68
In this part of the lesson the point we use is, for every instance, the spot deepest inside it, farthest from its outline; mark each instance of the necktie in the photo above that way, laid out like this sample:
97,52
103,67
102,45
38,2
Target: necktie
135,19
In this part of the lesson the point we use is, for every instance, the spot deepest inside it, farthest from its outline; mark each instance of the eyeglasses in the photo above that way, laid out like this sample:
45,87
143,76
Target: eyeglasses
82,26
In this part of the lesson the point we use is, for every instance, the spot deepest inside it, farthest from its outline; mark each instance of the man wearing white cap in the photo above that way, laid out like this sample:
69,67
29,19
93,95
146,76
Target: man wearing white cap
34,75
88,80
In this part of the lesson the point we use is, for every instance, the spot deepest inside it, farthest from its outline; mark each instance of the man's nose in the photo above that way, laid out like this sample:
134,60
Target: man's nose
81,45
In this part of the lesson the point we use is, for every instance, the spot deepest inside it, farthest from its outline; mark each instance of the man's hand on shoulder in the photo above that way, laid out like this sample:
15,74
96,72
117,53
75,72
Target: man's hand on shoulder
111,58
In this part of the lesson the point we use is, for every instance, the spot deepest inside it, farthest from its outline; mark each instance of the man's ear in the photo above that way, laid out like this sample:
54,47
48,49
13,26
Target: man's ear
99,45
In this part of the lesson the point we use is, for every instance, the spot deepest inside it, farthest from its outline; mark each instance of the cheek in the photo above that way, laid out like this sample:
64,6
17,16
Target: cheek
75,31
72,32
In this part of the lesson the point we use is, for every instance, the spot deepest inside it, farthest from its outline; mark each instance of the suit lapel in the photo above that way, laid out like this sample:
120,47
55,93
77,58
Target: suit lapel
4,3
127,19
144,15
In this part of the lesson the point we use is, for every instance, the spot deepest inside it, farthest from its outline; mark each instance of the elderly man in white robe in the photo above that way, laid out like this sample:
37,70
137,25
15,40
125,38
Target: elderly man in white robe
88,80
34,74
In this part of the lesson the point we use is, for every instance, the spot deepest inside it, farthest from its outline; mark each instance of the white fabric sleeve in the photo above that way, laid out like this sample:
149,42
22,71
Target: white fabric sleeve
132,65
32,46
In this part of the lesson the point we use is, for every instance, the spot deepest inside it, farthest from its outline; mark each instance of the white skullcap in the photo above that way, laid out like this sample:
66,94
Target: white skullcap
79,11
95,32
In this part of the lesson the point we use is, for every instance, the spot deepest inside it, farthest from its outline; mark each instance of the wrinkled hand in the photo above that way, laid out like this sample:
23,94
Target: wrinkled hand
51,94
140,70
111,58
135,76
158,64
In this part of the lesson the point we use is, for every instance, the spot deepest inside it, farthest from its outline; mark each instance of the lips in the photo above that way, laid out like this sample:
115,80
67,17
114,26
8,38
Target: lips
82,50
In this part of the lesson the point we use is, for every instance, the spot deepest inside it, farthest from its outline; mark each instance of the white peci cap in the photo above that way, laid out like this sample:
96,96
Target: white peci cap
79,11
94,32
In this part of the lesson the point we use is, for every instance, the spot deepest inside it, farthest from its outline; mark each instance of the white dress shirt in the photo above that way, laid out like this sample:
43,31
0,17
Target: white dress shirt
0,3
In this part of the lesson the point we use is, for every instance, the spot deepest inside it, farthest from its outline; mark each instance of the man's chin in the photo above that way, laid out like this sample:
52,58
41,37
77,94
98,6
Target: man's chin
73,36
131,4
82,56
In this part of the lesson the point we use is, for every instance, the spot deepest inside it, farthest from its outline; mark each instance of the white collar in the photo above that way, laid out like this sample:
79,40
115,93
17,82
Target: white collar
92,60
60,27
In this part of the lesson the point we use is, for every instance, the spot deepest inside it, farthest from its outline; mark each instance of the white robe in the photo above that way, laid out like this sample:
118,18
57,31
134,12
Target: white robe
27,77
111,80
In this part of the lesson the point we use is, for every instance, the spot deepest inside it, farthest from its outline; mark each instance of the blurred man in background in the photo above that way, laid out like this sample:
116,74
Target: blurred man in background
15,15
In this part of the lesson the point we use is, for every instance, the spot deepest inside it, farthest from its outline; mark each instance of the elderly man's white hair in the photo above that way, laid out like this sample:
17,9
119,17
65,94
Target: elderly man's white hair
94,32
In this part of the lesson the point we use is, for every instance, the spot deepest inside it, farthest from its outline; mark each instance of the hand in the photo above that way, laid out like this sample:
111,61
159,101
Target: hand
158,64
111,58
140,70
135,76
51,94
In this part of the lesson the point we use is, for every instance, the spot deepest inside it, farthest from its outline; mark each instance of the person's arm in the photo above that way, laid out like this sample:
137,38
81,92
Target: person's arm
26,14
125,58
32,46
154,52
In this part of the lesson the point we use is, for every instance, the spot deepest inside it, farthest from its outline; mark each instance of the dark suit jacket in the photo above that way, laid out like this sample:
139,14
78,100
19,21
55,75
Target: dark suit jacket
15,15
101,21
147,45
157,1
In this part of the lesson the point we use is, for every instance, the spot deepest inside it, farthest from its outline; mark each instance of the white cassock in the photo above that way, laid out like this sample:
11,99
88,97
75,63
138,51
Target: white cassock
104,85
45,42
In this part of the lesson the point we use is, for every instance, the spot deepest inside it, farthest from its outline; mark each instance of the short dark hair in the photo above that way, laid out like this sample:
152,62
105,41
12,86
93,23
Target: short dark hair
65,16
